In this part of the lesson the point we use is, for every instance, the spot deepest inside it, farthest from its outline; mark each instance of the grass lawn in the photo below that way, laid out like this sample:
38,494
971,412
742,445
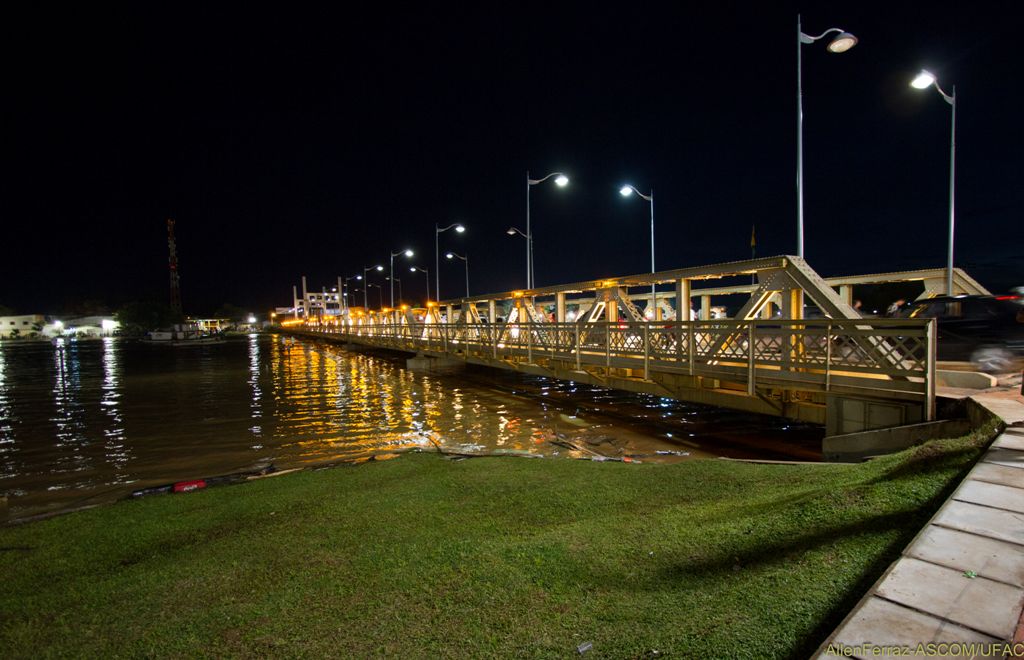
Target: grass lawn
424,556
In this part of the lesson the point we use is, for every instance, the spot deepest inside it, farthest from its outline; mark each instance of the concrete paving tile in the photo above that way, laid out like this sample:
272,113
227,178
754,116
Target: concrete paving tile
987,557
1010,411
998,474
994,523
878,622
1008,457
1009,441
978,603
997,496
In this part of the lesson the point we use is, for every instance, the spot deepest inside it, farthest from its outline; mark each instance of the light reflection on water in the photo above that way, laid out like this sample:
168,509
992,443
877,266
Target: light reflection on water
88,421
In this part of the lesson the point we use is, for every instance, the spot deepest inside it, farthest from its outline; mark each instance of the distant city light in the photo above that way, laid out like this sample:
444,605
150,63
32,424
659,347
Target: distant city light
108,324
923,80
252,319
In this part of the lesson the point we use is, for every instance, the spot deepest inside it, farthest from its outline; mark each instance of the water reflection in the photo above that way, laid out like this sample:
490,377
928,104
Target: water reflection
115,446
68,419
7,446
87,417
256,404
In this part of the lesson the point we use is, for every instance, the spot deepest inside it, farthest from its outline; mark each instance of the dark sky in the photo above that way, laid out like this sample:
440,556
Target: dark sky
293,143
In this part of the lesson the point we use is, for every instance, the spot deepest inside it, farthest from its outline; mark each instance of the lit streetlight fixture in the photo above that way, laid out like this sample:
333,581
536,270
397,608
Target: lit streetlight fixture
391,270
842,42
561,181
924,80
367,283
437,265
426,272
626,191
452,255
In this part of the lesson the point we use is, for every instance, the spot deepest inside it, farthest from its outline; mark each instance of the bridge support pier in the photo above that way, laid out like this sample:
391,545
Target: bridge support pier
845,414
428,364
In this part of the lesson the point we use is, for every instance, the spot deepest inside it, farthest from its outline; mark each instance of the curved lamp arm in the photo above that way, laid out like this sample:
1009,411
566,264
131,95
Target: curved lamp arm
455,255
455,225
534,182
512,231
808,39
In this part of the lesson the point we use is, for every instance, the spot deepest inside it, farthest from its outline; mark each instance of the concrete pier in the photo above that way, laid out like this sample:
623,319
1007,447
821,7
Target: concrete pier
429,364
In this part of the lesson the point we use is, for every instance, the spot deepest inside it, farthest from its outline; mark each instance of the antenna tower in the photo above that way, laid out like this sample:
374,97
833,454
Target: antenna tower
172,263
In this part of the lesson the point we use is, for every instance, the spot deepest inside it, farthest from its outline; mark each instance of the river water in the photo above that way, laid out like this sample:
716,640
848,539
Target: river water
83,422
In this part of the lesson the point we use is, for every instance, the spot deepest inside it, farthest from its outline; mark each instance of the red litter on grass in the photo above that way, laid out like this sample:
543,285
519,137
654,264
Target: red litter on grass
189,486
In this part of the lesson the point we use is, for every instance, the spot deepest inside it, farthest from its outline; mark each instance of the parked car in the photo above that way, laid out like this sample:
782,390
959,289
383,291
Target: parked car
987,331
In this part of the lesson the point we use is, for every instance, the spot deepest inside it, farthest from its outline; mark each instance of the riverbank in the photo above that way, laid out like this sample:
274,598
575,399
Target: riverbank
425,556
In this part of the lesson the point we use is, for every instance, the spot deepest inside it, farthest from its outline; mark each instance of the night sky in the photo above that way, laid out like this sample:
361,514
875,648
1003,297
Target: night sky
286,144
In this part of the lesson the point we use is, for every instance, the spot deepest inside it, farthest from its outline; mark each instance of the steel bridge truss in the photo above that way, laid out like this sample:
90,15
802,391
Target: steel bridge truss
789,366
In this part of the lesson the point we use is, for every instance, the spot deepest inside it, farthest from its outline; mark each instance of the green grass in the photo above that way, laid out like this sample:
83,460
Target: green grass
427,557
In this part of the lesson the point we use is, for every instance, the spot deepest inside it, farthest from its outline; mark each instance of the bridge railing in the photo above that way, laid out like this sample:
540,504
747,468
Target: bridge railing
896,356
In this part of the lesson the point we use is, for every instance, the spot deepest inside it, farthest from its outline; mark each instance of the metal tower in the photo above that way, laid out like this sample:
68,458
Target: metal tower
172,263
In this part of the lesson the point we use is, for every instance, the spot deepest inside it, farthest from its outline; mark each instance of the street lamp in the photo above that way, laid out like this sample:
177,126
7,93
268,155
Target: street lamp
512,231
626,191
425,272
380,290
924,80
399,281
391,270
842,42
437,266
345,289
365,271
561,181
452,255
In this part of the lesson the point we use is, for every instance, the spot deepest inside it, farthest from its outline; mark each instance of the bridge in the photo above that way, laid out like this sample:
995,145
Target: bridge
796,348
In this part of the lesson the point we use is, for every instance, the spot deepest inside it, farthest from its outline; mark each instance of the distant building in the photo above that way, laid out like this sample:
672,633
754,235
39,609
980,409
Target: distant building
33,326
24,325
89,326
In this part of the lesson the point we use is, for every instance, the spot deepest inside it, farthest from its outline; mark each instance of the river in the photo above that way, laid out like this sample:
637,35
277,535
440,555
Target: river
84,422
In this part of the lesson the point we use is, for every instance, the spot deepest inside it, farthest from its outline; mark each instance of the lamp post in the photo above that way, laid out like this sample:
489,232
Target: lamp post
924,80
380,290
425,272
561,181
399,281
842,42
452,255
346,288
367,283
626,191
391,271
512,231
437,264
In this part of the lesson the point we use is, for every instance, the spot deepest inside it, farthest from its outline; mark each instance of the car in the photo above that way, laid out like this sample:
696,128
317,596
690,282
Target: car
987,331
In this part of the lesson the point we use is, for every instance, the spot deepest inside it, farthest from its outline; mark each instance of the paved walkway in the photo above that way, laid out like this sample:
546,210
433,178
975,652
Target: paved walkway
961,580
